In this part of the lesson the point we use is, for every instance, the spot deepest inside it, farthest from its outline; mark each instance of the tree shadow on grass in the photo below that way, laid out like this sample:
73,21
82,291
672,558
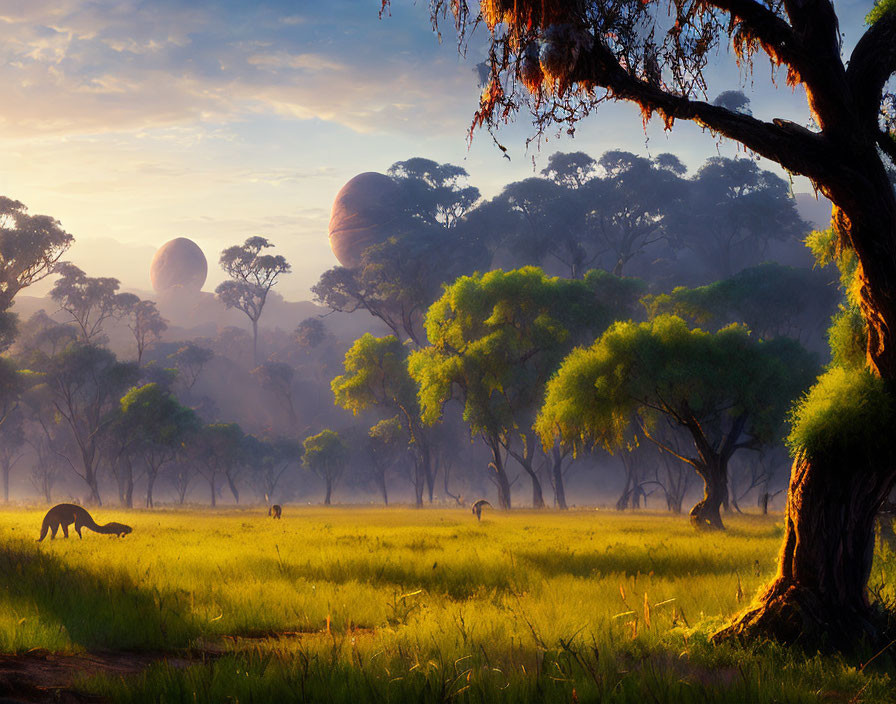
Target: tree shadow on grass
96,611
662,562
456,582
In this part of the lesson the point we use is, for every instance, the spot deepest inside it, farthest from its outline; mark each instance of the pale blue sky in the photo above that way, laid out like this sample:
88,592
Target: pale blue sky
134,122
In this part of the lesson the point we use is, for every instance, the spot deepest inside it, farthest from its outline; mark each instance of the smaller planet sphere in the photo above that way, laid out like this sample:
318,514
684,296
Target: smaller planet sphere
179,263
365,212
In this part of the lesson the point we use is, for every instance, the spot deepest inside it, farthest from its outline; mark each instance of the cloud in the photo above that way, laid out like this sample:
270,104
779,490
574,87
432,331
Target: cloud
94,67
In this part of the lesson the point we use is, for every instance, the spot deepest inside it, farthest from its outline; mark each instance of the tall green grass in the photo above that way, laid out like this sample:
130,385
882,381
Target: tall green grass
399,605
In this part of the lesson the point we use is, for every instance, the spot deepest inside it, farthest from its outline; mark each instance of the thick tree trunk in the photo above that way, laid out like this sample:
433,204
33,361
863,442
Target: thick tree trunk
383,490
819,597
499,473
150,483
211,486
673,503
537,493
94,498
125,477
90,477
557,470
622,501
329,493
428,474
255,342
6,472
706,515
631,494
233,490
419,482
525,461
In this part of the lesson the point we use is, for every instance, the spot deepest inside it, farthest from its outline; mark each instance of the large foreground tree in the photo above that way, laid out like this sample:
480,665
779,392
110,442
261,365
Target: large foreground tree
562,59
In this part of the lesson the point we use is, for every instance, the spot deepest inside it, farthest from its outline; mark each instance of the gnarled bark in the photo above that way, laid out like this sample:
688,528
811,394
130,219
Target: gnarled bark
819,597
558,479
498,472
705,514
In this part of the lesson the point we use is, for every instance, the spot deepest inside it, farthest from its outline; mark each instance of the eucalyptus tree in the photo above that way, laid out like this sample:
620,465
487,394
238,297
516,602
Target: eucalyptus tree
252,276
730,213
89,300
399,277
628,209
434,193
269,460
83,384
386,442
726,391
562,60
770,299
431,242
157,426
495,340
570,169
12,442
190,360
30,247
325,455
214,451
41,333
277,379
143,320
376,376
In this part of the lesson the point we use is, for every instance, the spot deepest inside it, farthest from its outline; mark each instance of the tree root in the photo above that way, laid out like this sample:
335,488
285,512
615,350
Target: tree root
791,615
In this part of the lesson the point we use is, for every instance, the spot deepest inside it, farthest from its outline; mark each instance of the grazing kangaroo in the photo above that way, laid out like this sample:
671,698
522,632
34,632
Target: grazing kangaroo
63,515
478,506
275,511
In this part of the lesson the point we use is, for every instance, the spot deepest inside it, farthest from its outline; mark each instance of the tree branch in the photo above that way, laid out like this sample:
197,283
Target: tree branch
776,36
794,147
871,64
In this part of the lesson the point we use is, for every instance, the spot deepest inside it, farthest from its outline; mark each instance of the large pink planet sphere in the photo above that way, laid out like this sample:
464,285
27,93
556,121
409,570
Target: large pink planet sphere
365,212
178,263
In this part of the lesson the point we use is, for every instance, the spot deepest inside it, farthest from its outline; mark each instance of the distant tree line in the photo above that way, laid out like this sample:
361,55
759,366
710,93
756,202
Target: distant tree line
512,321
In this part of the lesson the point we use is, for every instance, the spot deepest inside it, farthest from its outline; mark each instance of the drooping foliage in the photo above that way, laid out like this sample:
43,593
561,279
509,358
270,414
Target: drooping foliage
325,455
496,338
727,390
770,299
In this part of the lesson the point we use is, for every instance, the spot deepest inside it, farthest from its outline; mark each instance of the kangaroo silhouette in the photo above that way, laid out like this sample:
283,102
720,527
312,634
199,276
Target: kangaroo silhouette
275,511
478,506
63,515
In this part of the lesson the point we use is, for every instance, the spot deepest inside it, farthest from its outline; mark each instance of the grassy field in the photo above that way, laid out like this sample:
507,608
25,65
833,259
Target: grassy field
360,604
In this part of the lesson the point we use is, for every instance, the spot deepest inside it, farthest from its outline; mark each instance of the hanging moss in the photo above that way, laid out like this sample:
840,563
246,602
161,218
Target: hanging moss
848,338
846,408
881,8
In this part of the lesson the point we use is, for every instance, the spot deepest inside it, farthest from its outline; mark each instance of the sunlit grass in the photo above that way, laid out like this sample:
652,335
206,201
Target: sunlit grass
423,605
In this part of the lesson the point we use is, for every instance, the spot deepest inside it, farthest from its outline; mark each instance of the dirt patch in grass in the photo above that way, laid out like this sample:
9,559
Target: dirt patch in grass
38,676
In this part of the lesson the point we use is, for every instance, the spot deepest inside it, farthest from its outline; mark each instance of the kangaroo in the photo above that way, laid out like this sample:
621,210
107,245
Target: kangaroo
63,515
275,511
478,506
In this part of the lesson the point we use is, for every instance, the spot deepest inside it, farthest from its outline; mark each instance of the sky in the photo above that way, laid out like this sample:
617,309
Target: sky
137,121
